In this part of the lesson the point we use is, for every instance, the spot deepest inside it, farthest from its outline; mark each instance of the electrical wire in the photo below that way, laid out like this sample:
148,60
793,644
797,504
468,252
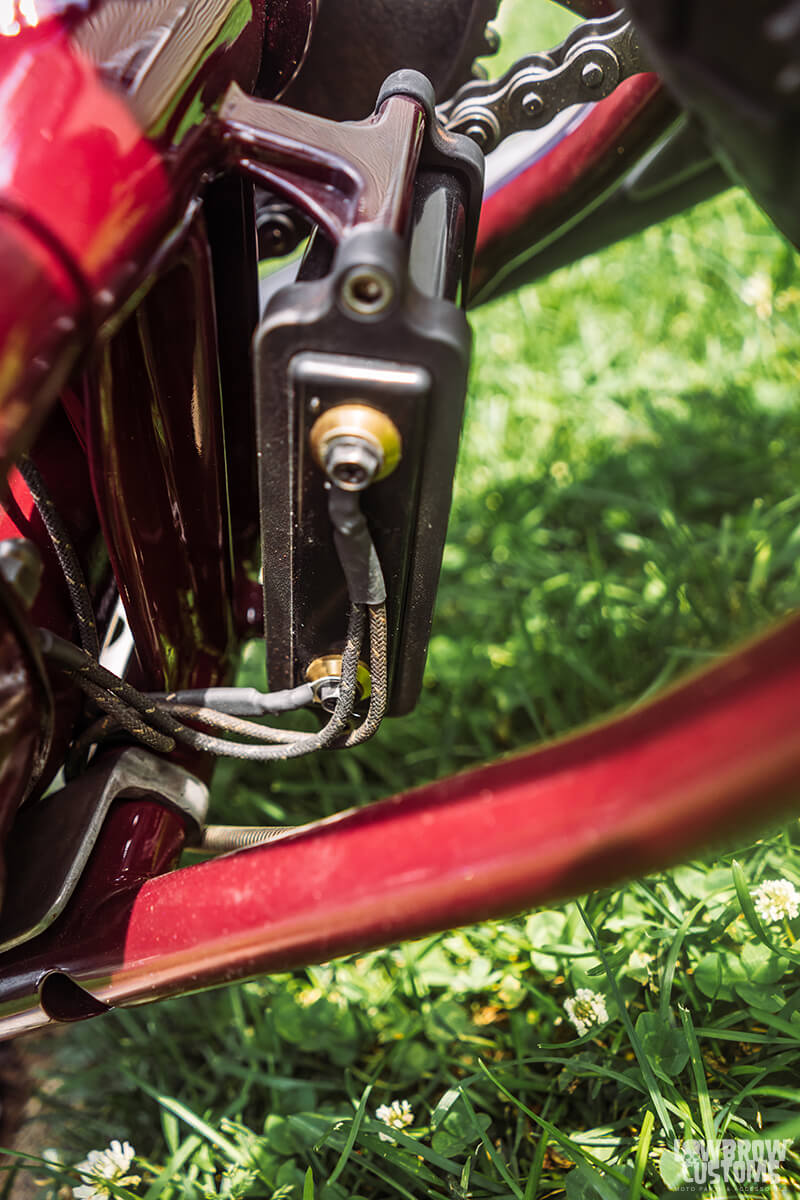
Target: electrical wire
94,679
240,701
65,553
378,665
158,720
128,718
223,722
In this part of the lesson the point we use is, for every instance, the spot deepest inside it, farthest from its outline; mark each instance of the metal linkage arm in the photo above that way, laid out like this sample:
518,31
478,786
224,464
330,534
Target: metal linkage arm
352,173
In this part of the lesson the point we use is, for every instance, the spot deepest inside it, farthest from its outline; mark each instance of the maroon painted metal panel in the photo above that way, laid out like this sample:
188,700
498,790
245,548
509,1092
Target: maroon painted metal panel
157,464
715,755
341,175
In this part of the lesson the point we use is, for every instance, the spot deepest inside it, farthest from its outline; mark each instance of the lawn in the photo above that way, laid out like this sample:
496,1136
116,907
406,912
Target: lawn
626,505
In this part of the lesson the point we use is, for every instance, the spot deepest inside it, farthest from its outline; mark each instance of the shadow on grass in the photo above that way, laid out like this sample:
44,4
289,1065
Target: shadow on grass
566,595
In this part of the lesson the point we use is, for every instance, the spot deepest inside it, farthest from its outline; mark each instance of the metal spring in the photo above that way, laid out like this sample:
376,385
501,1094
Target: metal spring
221,838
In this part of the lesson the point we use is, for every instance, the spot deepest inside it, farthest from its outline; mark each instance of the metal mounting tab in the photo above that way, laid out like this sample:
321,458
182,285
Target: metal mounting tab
51,840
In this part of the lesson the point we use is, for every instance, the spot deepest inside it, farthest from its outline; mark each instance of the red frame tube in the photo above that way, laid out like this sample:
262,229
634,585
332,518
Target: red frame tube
715,755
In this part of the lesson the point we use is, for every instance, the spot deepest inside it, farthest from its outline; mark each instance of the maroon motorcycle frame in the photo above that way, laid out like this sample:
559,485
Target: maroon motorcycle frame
128,251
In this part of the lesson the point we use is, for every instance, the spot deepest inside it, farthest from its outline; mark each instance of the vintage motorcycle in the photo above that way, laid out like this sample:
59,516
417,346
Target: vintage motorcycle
170,418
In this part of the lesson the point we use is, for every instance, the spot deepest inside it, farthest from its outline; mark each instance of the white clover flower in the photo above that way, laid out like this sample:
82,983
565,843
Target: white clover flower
586,1009
757,293
104,1167
775,899
398,1114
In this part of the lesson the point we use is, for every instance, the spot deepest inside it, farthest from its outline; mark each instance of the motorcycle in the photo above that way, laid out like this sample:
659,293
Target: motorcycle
198,452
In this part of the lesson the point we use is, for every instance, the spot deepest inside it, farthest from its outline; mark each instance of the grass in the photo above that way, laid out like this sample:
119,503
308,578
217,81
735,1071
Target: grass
626,505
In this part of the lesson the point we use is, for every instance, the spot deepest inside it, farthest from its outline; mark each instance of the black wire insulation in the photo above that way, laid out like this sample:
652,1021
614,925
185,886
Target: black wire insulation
67,557
158,722
128,718
90,676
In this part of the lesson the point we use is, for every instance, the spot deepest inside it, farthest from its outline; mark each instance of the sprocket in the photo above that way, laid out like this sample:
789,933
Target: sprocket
357,43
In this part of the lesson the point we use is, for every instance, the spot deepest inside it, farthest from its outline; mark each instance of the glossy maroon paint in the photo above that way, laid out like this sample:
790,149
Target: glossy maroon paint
532,207
101,150
340,175
156,458
74,161
714,756
140,839
41,306
99,158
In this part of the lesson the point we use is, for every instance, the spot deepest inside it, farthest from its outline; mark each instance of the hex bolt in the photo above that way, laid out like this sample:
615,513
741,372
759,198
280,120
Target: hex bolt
355,444
367,291
352,462
593,75
325,676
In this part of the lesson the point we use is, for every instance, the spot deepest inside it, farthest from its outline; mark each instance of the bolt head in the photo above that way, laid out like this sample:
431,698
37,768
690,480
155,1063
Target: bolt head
352,462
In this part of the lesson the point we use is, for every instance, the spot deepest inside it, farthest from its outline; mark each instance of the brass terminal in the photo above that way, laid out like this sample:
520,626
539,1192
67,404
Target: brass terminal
355,445
325,673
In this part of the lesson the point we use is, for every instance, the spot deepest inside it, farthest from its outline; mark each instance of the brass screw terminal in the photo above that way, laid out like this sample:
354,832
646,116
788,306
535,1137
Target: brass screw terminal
355,445
325,676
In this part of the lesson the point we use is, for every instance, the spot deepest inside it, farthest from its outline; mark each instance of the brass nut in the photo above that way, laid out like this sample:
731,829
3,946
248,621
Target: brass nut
325,673
355,444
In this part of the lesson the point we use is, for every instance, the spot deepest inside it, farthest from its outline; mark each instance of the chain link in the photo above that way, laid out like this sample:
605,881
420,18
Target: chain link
591,61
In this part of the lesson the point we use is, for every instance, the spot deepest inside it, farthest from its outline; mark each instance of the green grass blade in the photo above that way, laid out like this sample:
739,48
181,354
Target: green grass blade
490,1149
173,1164
535,1173
642,1151
647,1071
352,1134
563,1139
308,1185
701,1084
668,976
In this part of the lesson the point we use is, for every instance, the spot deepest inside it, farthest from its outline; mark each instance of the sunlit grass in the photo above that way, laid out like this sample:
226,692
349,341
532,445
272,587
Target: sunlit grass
627,503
